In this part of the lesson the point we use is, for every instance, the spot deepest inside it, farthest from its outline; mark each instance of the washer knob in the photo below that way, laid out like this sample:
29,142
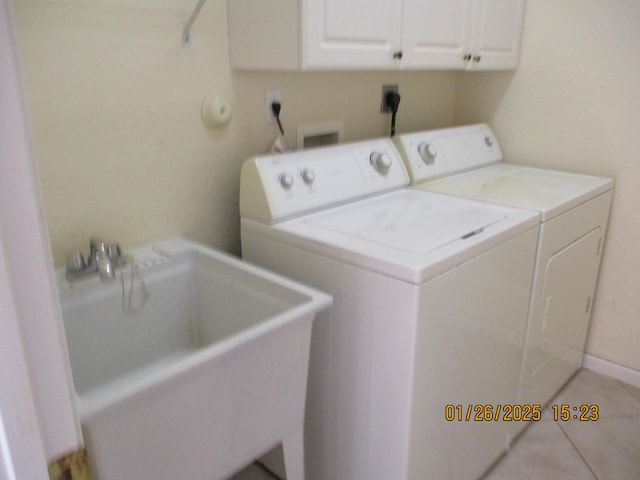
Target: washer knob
308,176
428,153
286,181
488,141
381,162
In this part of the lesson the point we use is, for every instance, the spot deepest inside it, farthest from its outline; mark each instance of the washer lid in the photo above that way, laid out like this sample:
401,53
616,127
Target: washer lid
408,234
547,191
414,224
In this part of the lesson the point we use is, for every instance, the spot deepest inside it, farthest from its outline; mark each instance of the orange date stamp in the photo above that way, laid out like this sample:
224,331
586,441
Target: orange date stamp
583,413
492,413
519,413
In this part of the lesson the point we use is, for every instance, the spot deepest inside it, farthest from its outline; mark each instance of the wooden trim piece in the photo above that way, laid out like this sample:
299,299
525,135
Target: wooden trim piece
72,466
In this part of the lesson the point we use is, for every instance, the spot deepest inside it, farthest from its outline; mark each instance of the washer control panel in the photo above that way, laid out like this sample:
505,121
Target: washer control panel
277,187
435,153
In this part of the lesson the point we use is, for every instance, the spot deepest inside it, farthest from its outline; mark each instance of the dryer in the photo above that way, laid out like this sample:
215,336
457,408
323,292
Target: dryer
429,310
574,209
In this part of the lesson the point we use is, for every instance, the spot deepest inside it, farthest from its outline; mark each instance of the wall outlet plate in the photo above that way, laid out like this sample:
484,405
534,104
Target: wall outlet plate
272,95
383,104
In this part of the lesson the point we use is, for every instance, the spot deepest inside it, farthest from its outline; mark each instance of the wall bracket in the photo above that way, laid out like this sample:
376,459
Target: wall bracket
186,32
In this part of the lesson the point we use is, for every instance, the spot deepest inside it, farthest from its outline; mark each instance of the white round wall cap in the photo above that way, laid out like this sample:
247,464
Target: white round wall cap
216,111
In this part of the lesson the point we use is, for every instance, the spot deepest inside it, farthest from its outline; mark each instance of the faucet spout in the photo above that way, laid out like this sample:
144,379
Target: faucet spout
103,259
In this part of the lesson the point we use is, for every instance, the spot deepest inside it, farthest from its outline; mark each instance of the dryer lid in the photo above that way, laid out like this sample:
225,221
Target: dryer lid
547,191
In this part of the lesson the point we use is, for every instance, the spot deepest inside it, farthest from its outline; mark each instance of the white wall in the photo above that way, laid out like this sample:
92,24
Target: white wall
114,102
574,104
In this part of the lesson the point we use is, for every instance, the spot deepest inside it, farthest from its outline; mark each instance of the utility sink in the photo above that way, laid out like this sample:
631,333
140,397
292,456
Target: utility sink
190,364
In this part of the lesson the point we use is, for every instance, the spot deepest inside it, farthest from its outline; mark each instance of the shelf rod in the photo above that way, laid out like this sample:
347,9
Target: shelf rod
186,33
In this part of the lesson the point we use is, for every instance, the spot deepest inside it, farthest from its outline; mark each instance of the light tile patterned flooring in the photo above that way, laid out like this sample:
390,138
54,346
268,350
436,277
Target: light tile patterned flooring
607,449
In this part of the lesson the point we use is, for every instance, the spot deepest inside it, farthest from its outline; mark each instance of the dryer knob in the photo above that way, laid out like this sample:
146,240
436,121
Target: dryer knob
380,162
308,176
428,153
285,180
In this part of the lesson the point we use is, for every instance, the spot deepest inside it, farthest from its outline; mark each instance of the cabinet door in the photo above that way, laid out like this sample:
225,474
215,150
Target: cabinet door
436,33
354,34
495,39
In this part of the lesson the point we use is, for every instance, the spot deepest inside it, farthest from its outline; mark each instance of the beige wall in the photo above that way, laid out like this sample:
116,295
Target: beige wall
114,102
574,104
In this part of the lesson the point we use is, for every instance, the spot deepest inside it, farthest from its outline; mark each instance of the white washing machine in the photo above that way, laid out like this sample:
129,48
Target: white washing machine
429,310
574,209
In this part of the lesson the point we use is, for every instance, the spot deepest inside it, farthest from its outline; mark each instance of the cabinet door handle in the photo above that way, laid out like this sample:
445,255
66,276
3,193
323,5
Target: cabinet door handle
397,55
467,57
477,58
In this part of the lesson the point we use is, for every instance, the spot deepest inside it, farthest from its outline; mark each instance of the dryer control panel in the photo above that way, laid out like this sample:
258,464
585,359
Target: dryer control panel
277,187
435,153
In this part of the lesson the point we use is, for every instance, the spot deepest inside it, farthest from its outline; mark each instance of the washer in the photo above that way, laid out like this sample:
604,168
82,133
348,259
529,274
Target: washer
429,310
574,210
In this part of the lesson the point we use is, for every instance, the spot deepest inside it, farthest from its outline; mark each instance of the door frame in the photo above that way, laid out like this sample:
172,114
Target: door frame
38,418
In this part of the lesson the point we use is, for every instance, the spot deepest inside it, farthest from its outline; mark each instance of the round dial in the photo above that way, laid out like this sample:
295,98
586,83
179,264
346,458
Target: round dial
428,153
380,162
285,180
308,176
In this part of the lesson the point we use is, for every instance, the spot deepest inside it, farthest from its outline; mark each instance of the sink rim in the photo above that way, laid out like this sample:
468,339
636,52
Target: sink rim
135,383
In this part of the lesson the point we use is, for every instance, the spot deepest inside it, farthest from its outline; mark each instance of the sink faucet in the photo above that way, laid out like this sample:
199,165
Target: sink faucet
103,259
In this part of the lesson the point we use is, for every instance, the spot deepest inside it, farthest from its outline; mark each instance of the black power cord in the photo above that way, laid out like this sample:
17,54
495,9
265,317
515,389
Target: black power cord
275,108
392,101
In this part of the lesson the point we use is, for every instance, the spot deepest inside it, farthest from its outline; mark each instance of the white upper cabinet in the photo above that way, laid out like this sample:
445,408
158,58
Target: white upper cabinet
351,33
374,34
495,36
436,33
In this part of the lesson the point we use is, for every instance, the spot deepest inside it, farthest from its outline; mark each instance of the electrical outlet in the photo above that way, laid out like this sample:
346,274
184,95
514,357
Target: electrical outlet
271,96
386,89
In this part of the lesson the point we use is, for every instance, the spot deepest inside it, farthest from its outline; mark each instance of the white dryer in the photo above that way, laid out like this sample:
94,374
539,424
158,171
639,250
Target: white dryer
429,310
574,210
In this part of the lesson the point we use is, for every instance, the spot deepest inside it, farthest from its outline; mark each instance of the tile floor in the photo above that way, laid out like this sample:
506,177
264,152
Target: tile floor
606,449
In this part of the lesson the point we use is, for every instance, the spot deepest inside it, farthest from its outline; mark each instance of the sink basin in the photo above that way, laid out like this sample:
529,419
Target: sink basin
196,380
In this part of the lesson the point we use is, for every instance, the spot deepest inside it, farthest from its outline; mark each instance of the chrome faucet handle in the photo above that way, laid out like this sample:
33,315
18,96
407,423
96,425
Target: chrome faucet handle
77,268
95,245
115,254
111,251
105,265
75,262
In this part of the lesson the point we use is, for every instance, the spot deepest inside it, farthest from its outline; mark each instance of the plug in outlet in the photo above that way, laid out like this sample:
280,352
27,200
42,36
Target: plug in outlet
270,97
384,108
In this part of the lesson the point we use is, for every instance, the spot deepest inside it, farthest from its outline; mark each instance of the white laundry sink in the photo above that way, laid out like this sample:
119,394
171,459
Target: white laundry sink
206,375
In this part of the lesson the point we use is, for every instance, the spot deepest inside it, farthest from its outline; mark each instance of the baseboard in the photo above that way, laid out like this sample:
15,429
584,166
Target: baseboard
624,374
